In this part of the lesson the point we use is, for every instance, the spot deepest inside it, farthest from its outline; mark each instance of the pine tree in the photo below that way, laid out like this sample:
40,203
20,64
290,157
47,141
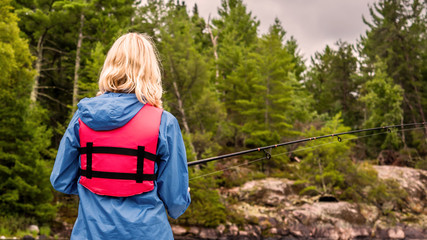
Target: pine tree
188,93
24,139
325,168
269,90
236,32
333,81
383,105
98,19
37,20
396,35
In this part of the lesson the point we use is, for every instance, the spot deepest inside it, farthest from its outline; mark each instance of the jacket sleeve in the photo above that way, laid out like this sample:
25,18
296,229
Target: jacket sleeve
172,181
65,171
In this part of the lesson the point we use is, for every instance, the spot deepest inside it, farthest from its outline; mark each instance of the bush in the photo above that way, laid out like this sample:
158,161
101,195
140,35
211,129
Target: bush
14,224
206,207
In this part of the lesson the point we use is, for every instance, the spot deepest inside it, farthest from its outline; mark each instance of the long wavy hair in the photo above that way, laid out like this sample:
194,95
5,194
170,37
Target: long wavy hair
132,66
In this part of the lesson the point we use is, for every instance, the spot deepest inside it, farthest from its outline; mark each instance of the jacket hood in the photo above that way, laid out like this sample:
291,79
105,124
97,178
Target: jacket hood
109,110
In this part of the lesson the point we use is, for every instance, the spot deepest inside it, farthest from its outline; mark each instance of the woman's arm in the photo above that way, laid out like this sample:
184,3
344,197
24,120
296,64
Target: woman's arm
66,169
172,181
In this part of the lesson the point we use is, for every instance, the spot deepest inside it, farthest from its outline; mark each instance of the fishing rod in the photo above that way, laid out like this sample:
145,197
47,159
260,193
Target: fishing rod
268,156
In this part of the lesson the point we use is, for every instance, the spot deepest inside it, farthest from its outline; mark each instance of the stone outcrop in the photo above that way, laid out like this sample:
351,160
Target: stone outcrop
414,181
272,209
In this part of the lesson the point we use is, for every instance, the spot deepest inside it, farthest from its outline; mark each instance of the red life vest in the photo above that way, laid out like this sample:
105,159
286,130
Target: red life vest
120,162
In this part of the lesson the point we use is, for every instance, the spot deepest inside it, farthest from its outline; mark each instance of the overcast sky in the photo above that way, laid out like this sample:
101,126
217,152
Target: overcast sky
313,23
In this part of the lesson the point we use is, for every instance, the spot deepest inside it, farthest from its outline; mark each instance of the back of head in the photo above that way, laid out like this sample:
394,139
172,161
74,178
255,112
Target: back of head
132,66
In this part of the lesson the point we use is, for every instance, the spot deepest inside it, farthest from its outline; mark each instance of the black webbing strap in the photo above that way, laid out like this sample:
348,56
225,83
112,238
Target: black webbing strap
122,176
140,153
120,151
89,150
140,164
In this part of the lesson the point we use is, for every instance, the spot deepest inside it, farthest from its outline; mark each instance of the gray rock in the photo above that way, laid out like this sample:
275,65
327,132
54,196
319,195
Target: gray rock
194,230
208,233
396,233
414,181
273,231
340,214
34,229
274,206
42,237
28,237
234,230
178,230
220,228
359,233
413,233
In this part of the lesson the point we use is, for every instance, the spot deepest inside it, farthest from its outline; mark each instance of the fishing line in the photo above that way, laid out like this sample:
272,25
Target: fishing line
259,159
347,139
302,149
221,170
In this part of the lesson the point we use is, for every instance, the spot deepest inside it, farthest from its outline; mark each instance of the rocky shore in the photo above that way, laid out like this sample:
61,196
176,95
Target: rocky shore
272,209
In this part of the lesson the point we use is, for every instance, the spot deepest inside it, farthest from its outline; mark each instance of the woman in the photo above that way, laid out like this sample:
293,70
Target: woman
122,154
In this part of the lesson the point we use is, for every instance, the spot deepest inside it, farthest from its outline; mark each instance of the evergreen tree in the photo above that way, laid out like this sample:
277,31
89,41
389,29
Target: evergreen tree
397,36
298,60
38,17
333,81
383,105
236,31
69,44
269,90
188,92
24,179
103,21
324,169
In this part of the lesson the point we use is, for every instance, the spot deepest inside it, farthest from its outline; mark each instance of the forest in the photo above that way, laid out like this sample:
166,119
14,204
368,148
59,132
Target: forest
230,87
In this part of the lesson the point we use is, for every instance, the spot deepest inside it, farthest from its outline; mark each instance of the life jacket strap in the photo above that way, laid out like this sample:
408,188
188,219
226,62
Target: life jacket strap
119,151
122,176
140,153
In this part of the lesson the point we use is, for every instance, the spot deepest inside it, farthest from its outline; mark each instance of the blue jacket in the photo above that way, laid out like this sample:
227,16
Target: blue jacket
138,217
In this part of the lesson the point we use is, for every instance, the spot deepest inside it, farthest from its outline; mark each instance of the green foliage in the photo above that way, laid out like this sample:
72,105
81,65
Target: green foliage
13,224
236,30
326,166
267,109
327,169
383,101
89,82
237,176
333,82
207,208
421,164
396,37
24,138
45,230
188,91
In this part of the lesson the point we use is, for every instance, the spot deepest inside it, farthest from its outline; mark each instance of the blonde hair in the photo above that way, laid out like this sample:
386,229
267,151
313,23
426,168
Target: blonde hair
132,66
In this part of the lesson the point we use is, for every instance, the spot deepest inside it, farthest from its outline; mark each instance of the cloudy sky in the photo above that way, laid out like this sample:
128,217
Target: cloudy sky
314,23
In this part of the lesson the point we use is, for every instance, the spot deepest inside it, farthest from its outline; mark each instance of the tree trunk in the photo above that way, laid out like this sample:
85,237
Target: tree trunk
184,118
39,60
405,147
77,64
215,47
267,104
411,108
181,107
